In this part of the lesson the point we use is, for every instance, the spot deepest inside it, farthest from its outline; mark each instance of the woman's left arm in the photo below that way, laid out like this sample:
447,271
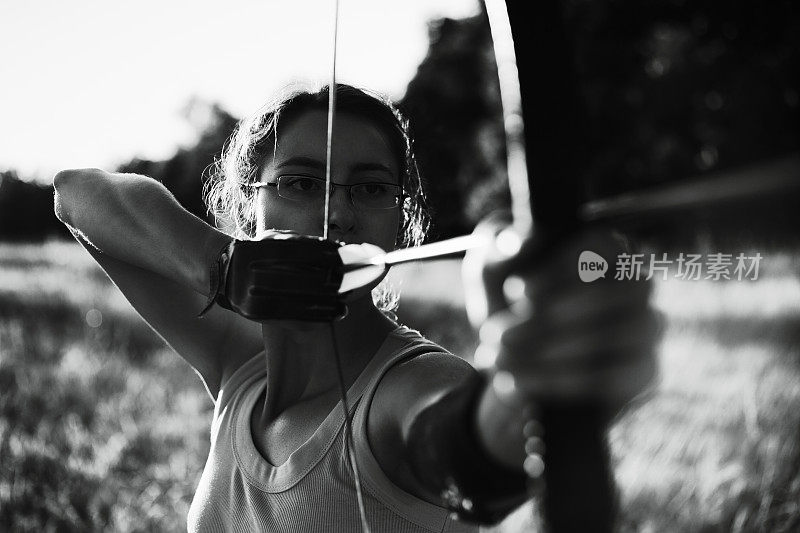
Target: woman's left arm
462,432
426,434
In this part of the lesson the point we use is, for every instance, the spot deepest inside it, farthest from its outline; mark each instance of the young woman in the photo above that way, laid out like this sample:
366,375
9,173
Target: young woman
430,436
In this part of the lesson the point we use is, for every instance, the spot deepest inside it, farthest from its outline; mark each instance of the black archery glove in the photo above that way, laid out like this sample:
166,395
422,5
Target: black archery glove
283,276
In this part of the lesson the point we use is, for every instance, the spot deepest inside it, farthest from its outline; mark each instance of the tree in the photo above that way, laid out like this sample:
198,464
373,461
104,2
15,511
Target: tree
26,210
671,91
455,116
183,172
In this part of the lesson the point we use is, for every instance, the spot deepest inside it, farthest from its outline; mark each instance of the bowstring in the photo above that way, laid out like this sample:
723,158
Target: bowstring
331,113
348,443
348,423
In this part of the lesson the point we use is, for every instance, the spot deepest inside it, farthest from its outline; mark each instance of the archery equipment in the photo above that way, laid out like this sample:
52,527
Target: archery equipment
285,277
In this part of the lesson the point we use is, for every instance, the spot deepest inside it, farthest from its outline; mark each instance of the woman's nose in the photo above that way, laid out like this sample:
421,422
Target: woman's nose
342,216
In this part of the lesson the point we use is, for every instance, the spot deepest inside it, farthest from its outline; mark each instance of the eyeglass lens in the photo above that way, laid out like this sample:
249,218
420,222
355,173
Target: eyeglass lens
371,195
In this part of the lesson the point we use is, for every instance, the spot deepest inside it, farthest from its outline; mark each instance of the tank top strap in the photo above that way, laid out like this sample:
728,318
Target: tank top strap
399,345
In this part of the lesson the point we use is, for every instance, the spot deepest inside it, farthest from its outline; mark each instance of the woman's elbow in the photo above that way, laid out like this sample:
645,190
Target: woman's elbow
68,185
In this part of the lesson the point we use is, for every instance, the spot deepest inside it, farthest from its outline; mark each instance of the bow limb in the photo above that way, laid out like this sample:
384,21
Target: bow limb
541,112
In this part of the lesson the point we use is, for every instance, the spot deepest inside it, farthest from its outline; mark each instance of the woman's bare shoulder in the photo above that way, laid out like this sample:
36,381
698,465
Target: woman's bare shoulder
430,369
411,384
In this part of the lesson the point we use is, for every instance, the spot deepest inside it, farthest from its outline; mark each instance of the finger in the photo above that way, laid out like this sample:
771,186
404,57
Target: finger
486,270
613,386
274,233
576,305
519,327
495,329
559,269
483,271
605,343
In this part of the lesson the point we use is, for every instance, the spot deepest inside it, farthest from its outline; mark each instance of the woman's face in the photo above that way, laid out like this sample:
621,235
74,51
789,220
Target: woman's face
361,154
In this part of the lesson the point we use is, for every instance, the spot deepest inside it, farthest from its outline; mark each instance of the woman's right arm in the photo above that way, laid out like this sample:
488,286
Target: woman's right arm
158,254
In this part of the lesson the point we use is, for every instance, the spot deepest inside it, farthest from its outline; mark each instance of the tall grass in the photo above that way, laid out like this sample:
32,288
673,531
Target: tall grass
103,428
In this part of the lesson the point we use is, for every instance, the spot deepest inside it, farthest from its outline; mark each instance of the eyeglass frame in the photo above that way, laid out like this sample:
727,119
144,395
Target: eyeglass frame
400,197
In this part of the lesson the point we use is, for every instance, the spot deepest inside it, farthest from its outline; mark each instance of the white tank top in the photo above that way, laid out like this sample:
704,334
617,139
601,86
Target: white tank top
313,490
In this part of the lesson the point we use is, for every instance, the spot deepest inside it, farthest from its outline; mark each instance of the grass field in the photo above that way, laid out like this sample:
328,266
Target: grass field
103,428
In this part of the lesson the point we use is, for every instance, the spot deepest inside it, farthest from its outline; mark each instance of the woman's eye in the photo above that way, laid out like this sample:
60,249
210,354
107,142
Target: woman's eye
373,188
304,184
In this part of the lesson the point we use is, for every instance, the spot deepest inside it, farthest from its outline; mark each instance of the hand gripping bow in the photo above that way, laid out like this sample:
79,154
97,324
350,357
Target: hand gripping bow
285,276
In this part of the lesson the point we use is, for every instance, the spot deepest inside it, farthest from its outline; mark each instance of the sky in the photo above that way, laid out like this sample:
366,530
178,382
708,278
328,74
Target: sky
92,83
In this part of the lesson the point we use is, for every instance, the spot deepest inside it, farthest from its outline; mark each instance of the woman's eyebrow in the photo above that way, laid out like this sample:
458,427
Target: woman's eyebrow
316,164
370,167
303,161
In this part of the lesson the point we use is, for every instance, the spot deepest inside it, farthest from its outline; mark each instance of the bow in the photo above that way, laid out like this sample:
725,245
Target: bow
539,115
577,463
574,434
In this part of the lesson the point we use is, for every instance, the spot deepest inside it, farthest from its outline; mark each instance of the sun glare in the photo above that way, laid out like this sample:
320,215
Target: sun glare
94,83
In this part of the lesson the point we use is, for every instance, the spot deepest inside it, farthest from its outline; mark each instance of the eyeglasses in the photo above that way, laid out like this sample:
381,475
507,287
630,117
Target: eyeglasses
309,189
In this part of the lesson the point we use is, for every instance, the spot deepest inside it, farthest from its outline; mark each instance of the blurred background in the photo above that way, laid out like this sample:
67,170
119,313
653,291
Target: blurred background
103,428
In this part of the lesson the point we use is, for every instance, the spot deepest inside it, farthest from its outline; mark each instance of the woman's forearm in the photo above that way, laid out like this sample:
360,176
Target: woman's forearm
446,446
499,427
136,220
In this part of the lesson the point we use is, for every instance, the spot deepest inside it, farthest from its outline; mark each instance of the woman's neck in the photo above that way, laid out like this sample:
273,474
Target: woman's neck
301,361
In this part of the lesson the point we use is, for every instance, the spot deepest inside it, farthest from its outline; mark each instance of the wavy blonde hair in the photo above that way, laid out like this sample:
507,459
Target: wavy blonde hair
233,203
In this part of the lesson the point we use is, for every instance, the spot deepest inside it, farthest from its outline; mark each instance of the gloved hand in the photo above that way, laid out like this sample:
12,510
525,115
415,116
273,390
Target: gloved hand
281,276
556,338
285,275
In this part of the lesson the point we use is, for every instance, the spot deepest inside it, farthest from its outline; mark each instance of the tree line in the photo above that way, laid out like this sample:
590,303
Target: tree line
671,90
